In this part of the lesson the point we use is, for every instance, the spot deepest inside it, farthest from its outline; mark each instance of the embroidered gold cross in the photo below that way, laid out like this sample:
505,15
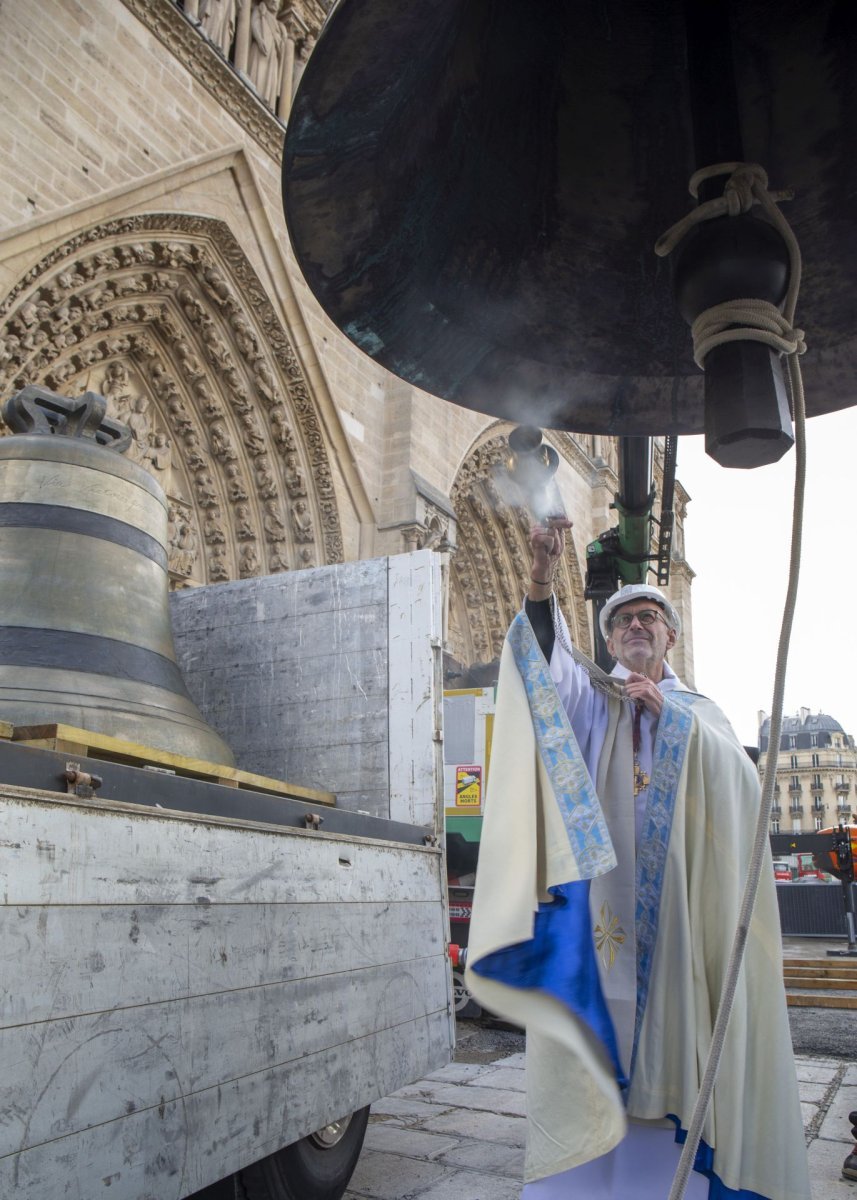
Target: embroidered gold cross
641,779
609,936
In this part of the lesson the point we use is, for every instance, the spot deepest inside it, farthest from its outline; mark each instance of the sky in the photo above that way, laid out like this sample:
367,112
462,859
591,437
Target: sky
737,540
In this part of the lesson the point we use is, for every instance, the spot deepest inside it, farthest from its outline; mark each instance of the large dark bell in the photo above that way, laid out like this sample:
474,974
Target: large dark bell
474,188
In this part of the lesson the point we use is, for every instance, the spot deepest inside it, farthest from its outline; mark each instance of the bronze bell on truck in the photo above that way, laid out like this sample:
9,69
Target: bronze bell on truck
85,637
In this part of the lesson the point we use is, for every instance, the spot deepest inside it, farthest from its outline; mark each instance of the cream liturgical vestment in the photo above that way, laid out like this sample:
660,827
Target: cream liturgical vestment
604,926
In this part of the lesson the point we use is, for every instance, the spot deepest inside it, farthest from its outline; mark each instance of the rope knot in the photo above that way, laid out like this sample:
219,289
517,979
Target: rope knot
742,319
739,192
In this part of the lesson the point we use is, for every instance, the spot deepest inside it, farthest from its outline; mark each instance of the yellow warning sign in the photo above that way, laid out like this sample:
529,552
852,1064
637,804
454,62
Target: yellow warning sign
468,787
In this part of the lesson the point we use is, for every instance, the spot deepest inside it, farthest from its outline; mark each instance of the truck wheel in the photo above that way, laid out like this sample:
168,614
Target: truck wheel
317,1167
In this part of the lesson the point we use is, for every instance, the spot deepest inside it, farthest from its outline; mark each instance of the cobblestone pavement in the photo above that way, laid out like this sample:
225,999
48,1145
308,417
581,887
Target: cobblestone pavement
459,1133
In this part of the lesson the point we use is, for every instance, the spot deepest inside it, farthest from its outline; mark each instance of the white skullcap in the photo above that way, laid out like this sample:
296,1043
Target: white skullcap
637,591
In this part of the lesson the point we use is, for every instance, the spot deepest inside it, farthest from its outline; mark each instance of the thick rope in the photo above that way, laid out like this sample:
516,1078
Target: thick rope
762,322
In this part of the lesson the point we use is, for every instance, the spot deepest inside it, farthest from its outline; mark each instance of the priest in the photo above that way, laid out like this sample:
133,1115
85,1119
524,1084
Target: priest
619,822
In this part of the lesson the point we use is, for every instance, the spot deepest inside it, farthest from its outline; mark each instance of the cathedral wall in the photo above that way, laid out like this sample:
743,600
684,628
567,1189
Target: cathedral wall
121,110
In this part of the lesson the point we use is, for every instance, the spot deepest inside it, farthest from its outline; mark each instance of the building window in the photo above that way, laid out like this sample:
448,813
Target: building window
813,739
818,822
775,827
815,760
792,742
793,762
795,783
796,826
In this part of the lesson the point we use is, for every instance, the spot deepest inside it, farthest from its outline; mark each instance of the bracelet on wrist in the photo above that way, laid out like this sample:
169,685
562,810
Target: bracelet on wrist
542,582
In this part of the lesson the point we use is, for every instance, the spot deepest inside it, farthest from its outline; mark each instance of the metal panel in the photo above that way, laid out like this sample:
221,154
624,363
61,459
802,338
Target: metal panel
812,910
100,853
459,729
415,688
175,951
292,670
164,1052
327,678
182,995
182,1145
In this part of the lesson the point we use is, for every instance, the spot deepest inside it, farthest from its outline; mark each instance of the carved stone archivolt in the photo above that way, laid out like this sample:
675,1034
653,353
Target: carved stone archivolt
491,566
165,317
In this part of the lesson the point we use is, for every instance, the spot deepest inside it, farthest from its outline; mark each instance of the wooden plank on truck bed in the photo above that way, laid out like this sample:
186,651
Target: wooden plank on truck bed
6,730
68,739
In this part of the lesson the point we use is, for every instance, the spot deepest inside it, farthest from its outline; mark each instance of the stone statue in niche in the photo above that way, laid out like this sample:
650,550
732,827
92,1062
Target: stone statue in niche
183,542
252,436
158,457
212,530
265,482
244,335
236,489
140,424
217,568
220,442
205,494
193,454
211,407
283,436
302,522
294,477
116,386
248,563
265,381
217,349
265,62
277,560
215,283
275,530
244,530
179,415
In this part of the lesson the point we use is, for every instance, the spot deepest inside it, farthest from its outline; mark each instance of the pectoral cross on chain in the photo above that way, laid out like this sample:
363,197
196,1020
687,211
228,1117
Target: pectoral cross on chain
641,779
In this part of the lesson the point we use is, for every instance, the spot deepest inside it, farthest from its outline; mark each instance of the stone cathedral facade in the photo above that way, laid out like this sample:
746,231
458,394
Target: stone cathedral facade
144,255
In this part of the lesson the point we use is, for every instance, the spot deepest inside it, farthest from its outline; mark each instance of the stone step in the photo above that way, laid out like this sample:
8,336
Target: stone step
829,973
819,981
847,965
815,1000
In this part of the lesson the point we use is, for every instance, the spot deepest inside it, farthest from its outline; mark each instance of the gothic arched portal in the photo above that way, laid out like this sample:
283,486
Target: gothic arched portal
491,566
164,315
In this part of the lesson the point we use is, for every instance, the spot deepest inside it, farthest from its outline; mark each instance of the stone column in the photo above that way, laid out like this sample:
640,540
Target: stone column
242,39
295,32
285,103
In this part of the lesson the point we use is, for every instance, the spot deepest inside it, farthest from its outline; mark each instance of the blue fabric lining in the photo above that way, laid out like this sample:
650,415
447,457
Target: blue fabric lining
560,960
704,1165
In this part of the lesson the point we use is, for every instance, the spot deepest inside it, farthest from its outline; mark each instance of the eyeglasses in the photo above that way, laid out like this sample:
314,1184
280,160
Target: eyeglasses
646,616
